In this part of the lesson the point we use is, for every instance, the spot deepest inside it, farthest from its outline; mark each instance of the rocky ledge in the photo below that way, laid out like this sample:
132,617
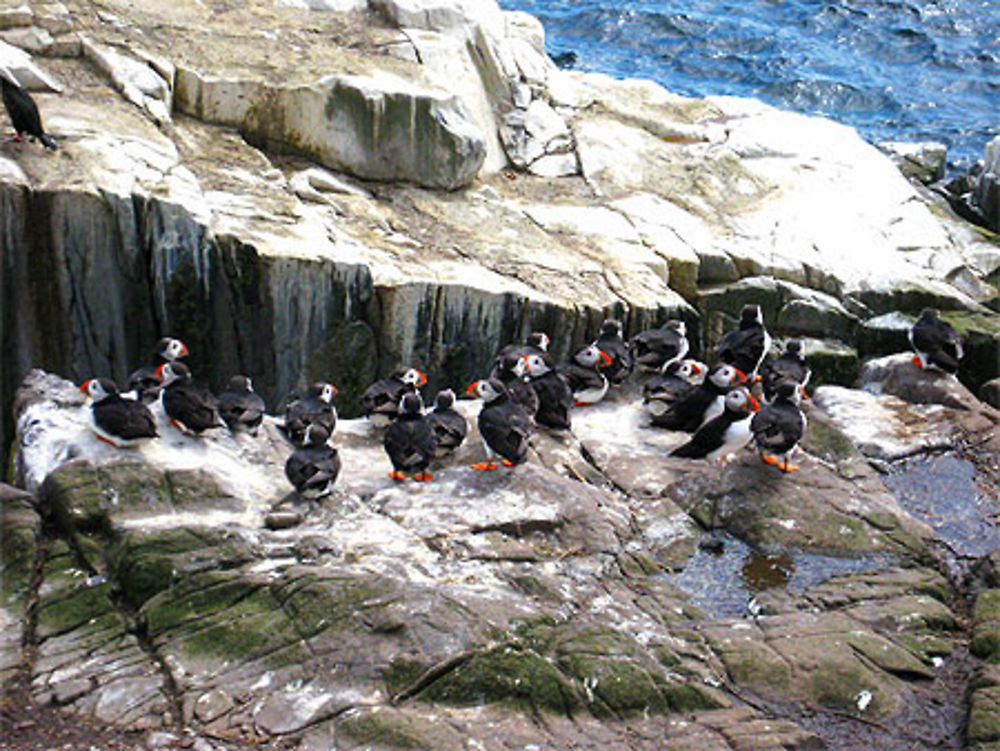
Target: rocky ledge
217,181
601,593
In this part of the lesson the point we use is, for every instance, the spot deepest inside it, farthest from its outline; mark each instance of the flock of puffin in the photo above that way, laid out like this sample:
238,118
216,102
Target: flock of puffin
745,397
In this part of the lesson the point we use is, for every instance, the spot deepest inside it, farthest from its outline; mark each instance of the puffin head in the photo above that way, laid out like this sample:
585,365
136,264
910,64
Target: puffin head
789,390
323,391
742,401
727,376
691,371
488,390
316,435
751,315
171,349
611,329
240,383
173,371
592,356
411,403
99,388
445,399
539,339
536,365
794,348
411,377
679,327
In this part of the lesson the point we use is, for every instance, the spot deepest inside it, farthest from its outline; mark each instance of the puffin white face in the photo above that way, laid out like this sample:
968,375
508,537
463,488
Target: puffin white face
174,349
741,400
94,389
414,378
535,365
483,390
727,375
692,371
679,326
326,395
591,356
166,373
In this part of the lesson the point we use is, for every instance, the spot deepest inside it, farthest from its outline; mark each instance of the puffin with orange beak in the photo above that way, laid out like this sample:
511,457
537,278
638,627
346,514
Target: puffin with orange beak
584,376
662,390
698,404
144,381
123,423
190,408
555,397
937,344
380,401
503,425
725,434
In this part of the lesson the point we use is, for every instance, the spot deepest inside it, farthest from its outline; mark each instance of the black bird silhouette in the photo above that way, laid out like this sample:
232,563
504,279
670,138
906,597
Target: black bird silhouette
23,111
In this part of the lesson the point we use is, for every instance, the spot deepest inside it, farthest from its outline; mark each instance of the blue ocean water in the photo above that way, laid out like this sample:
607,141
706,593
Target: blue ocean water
907,70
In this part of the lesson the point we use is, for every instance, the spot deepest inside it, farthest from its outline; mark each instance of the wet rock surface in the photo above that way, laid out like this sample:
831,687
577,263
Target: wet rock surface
599,591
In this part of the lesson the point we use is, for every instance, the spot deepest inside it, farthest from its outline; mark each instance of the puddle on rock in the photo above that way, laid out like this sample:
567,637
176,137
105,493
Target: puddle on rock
722,577
946,492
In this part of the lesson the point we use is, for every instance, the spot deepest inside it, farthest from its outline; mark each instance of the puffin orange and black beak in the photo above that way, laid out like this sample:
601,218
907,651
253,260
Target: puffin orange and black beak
526,363
423,378
184,350
754,404
605,357
471,391
84,385
695,370
741,376
805,394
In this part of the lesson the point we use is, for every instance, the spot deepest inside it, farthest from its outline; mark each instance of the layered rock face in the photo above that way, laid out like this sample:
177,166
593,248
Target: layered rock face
180,201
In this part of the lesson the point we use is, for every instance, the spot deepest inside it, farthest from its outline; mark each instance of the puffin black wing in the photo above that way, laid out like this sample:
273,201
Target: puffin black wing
742,348
937,340
581,378
23,113
555,399
313,470
145,383
124,418
450,429
687,410
242,409
410,444
706,439
505,428
192,406
778,427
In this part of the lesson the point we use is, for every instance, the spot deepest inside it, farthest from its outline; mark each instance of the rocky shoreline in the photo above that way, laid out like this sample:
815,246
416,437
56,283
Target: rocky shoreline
326,191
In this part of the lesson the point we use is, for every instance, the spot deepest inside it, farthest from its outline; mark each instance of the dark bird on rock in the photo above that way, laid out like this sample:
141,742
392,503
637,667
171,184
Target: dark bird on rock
23,111
584,376
662,390
450,427
653,349
144,381
503,424
790,365
510,369
746,347
191,408
555,397
724,434
697,404
241,407
313,468
120,422
779,426
409,440
380,401
937,344
315,408
611,342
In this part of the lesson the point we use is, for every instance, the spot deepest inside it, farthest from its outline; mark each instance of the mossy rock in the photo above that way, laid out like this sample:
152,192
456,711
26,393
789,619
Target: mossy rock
984,716
981,335
885,334
390,729
615,686
204,595
832,362
20,528
986,630
317,603
351,375
66,609
506,674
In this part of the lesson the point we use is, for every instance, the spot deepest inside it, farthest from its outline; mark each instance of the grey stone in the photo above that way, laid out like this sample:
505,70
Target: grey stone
923,162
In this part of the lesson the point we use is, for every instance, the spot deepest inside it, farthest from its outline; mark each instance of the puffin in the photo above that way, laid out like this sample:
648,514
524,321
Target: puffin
144,381
609,340
509,368
725,433
692,406
555,397
409,440
380,401
315,408
790,365
660,391
450,427
584,376
654,349
23,111
124,423
241,407
746,347
190,408
937,344
503,425
536,343
313,467
779,426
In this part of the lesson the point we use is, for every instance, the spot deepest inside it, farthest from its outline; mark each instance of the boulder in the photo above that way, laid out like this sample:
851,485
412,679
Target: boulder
923,162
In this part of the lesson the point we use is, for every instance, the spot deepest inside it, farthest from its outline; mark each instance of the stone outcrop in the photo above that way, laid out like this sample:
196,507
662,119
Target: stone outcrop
543,605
